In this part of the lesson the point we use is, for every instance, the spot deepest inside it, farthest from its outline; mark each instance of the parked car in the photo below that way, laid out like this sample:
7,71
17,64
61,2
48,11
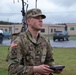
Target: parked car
7,35
1,36
60,35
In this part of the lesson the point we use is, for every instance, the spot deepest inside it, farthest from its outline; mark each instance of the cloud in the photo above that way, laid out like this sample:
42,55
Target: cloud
65,3
10,10
56,11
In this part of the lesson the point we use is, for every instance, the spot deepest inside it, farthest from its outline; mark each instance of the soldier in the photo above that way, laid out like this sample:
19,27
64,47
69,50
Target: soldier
30,53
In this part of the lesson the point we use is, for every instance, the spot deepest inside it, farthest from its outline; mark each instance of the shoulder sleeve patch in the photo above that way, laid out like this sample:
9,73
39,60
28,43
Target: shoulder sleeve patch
13,44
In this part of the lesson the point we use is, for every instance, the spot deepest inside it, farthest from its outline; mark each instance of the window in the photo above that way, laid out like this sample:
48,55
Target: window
51,30
5,29
54,30
1,29
16,28
10,28
71,28
42,30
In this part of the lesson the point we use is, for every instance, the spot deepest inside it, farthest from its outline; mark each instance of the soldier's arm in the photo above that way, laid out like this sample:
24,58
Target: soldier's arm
49,56
14,62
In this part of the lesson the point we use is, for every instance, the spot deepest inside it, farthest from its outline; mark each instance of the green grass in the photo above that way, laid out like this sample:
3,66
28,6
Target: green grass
62,56
72,37
3,64
67,57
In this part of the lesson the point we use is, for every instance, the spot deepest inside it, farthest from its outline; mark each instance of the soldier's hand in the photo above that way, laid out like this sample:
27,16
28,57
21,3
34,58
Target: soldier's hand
42,69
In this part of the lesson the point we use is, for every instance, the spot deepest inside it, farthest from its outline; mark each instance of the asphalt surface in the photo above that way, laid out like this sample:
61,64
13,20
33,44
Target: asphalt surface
6,42
62,44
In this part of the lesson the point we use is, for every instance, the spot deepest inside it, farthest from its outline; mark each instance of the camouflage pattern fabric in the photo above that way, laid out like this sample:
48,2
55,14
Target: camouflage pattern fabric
34,13
26,52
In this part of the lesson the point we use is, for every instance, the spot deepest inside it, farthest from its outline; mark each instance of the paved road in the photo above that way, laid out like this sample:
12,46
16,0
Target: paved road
66,44
5,43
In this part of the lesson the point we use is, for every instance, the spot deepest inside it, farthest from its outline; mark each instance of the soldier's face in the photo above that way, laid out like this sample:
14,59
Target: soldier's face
35,23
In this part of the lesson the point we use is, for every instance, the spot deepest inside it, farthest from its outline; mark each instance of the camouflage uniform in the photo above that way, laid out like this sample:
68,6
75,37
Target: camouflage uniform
26,52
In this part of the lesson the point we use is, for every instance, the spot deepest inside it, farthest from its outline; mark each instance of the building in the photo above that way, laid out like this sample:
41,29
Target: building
13,28
71,28
51,28
46,29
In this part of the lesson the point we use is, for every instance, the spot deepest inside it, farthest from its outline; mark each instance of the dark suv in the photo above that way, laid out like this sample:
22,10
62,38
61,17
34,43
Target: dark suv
60,35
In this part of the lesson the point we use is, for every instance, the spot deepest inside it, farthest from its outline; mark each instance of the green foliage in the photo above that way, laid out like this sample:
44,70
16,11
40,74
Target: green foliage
7,23
62,56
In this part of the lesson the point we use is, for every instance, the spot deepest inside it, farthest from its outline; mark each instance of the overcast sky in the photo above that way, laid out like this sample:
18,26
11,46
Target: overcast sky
56,11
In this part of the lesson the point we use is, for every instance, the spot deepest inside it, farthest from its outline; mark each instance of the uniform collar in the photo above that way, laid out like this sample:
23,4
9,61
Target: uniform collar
38,41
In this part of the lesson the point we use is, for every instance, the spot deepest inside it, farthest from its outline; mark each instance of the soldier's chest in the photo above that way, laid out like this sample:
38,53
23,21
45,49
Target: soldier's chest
36,53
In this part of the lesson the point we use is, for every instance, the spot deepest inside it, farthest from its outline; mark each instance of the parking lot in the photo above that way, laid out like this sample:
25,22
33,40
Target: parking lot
65,44
6,42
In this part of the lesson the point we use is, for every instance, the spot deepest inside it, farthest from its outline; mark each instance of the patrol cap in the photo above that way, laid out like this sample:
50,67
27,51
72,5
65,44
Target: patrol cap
34,13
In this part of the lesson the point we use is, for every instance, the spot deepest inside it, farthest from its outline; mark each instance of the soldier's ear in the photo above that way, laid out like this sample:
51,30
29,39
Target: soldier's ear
28,21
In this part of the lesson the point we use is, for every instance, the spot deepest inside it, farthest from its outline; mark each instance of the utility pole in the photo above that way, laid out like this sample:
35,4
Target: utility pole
36,4
48,32
24,27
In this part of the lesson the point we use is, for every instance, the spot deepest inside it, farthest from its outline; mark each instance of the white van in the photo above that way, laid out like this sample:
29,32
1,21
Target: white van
1,36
